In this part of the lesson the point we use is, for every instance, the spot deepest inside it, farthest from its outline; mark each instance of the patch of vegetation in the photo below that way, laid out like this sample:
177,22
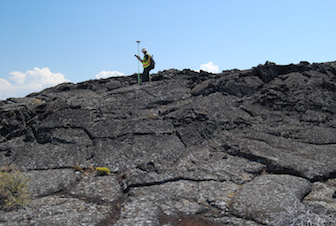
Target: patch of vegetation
13,189
103,171
77,167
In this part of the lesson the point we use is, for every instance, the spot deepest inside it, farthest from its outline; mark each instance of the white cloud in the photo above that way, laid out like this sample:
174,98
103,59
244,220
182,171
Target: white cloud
31,81
107,74
209,67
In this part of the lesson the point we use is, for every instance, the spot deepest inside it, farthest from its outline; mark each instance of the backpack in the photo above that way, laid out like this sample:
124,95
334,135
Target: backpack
152,63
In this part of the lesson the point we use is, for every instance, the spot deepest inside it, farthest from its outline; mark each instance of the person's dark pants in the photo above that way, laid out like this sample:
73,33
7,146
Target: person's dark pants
145,75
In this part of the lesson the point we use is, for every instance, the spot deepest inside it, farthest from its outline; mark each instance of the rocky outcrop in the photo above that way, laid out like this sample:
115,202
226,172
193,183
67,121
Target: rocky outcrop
252,147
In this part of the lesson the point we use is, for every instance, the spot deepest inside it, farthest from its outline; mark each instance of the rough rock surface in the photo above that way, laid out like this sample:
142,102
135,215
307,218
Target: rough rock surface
252,147
270,196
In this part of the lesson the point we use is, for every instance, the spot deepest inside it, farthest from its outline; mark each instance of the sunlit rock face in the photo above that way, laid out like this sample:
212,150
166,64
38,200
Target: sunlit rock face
239,147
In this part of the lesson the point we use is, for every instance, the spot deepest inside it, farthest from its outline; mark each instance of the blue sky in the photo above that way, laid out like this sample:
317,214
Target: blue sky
46,42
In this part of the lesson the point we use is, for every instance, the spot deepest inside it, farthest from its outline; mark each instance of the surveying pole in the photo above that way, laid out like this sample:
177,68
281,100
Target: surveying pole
138,41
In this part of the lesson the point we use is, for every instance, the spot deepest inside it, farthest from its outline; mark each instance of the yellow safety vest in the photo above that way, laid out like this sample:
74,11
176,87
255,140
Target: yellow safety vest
146,63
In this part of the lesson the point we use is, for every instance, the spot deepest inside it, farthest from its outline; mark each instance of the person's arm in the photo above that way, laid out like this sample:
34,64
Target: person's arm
138,58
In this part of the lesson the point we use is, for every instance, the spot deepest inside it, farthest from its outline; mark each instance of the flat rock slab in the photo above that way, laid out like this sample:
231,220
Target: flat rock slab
46,182
271,196
55,210
101,189
282,153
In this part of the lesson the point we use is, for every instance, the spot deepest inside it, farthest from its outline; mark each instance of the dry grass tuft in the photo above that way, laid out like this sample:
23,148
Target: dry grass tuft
13,189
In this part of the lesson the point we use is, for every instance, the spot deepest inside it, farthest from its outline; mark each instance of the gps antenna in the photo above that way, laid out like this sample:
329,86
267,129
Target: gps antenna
138,41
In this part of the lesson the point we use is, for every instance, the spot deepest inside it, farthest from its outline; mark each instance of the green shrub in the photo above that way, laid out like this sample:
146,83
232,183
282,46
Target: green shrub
102,171
13,189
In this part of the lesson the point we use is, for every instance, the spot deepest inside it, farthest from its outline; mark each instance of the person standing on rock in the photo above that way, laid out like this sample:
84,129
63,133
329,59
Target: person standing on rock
146,64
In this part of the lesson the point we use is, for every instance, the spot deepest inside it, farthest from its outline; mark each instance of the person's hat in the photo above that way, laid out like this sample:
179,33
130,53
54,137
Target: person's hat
144,49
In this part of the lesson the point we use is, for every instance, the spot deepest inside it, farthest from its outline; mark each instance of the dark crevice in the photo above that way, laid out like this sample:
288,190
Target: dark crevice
248,219
314,143
7,152
159,102
42,135
248,112
332,175
178,135
271,166
137,185
182,219
274,168
122,137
